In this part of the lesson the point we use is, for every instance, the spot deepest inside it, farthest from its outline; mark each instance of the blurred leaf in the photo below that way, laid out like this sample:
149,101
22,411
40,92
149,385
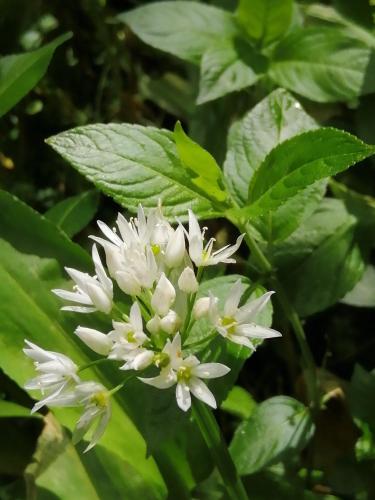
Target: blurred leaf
228,66
207,173
361,11
362,396
299,162
184,29
363,294
320,262
278,429
265,20
239,403
20,73
324,65
10,409
133,164
73,214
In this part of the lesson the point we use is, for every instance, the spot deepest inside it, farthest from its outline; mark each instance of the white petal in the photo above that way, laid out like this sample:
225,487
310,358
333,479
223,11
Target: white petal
183,396
163,296
175,251
73,296
79,309
202,392
143,360
97,341
171,322
223,254
99,297
128,283
196,250
241,340
100,272
257,331
210,370
100,429
187,282
135,316
234,296
166,379
248,312
37,353
109,233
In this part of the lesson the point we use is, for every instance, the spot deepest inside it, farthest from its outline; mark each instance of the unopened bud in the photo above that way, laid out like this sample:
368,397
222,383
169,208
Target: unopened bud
95,340
143,360
170,323
128,283
187,282
163,296
153,325
99,298
201,307
175,251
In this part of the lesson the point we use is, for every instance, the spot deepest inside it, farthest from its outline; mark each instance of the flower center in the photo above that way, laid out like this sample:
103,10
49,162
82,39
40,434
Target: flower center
130,337
184,374
161,360
229,323
100,399
155,249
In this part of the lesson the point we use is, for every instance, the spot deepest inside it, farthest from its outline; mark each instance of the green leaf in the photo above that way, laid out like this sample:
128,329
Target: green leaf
279,428
363,294
323,64
300,162
74,213
273,120
362,396
320,262
208,175
228,66
184,29
265,20
10,409
133,164
20,73
239,403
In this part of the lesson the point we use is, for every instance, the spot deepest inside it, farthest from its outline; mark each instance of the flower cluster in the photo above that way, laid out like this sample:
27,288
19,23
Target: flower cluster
159,268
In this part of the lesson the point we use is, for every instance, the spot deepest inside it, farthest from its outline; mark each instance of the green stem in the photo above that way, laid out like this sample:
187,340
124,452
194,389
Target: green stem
212,435
121,385
191,301
94,363
307,357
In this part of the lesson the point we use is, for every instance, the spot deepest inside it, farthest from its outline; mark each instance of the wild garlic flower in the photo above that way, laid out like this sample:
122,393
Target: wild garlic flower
237,323
159,268
95,293
97,411
58,374
186,373
202,255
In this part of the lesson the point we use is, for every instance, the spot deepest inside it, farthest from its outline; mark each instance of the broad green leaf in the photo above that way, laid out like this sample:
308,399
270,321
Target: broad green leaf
10,409
361,206
74,213
20,73
265,20
324,65
320,262
239,402
31,233
273,120
228,66
133,164
363,294
362,396
351,28
279,428
184,29
29,310
300,162
207,173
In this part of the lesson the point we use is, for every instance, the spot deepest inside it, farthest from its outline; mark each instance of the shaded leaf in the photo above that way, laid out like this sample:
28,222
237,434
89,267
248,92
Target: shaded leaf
239,403
362,396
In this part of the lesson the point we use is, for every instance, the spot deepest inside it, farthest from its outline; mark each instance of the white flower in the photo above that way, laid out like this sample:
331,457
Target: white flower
187,282
97,341
237,323
96,400
186,374
138,359
175,249
163,296
171,322
202,307
58,374
95,293
203,256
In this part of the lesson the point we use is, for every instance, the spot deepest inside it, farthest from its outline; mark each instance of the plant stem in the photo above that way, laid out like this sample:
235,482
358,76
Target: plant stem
191,301
307,357
212,435
94,363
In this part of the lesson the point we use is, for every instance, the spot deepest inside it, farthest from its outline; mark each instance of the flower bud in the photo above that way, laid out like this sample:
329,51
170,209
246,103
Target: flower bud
164,296
114,259
97,341
99,298
187,281
128,283
175,251
153,325
170,323
143,360
201,307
